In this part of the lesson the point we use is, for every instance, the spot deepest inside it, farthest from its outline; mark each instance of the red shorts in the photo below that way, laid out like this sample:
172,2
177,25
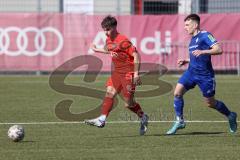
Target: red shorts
122,83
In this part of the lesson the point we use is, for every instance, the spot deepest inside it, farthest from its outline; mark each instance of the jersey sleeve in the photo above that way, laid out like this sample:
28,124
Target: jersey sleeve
128,47
209,39
131,50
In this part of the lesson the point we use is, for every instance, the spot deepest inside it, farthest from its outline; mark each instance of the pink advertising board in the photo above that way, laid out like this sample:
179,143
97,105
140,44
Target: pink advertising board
30,42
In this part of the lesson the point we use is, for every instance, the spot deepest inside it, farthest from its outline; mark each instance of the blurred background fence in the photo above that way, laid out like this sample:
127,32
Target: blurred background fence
122,7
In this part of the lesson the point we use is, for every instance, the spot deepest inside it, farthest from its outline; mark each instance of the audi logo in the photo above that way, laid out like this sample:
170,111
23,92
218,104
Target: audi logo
22,41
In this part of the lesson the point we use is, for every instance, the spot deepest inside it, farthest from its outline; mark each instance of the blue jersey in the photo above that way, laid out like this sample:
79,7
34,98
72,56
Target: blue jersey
202,64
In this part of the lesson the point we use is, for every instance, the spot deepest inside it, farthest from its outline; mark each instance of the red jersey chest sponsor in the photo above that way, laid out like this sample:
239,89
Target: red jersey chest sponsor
122,59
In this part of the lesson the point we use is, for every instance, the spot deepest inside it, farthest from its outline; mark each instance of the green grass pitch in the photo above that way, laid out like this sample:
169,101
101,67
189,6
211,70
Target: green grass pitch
29,99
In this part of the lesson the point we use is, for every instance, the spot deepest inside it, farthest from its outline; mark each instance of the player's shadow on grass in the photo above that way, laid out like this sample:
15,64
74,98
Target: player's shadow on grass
200,133
189,134
165,135
27,141
127,136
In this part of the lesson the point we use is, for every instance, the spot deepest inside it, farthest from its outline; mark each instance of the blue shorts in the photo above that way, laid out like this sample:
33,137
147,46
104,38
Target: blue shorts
206,83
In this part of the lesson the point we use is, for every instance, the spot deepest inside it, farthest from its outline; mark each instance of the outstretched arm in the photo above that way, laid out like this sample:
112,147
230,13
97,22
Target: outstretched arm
103,50
100,50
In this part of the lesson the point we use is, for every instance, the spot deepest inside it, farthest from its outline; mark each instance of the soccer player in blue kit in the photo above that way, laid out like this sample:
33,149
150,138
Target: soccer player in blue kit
200,72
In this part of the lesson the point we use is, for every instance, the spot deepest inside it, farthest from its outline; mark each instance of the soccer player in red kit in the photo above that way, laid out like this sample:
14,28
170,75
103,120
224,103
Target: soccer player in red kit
125,76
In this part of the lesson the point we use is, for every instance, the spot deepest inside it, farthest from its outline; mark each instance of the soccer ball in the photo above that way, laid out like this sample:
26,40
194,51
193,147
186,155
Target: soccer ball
16,133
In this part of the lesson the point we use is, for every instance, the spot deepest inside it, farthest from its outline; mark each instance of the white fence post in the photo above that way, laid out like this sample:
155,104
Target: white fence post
238,58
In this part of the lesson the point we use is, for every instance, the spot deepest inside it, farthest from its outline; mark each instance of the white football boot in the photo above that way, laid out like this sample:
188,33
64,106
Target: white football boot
95,122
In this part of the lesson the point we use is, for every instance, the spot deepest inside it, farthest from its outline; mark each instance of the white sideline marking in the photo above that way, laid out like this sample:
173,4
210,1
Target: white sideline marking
111,122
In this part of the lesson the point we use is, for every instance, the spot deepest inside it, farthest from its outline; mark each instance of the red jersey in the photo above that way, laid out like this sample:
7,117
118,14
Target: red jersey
123,62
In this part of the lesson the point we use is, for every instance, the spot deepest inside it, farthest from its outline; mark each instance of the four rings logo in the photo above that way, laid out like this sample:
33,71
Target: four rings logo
22,40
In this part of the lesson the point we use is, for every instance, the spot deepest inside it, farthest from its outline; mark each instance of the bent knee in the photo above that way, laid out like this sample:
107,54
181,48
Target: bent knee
210,102
177,95
129,104
109,94
210,105
179,91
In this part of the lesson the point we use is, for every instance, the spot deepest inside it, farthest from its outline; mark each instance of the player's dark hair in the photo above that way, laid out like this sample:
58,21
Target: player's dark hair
193,17
109,22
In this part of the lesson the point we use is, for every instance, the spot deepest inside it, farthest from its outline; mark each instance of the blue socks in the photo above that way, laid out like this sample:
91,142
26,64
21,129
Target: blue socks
178,107
179,104
222,108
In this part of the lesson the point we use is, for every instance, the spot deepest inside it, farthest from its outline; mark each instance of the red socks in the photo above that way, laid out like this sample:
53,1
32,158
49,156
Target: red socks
107,106
137,109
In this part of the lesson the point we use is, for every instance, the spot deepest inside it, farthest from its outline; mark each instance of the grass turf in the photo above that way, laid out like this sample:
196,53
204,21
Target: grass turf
30,99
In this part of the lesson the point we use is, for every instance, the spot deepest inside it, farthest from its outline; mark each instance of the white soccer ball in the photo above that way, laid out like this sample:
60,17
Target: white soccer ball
16,133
